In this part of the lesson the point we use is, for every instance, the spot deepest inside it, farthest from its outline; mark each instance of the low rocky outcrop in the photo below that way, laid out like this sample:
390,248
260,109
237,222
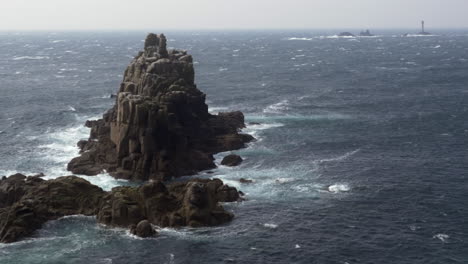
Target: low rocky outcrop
243,180
159,127
28,202
232,160
143,229
346,34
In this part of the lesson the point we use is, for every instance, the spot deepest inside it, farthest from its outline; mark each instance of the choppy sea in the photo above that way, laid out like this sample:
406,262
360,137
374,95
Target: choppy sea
361,153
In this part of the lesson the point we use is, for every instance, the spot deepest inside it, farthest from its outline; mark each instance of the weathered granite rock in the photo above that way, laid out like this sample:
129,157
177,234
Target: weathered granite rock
159,127
232,160
28,202
143,229
193,203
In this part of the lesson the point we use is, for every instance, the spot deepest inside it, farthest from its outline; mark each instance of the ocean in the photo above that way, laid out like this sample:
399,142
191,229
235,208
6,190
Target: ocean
360,157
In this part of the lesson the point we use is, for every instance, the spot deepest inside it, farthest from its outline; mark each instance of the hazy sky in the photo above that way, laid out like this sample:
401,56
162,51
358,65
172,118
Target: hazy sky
229,14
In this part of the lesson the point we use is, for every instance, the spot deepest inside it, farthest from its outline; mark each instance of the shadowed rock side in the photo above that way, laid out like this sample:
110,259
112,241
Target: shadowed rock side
160,126
28,202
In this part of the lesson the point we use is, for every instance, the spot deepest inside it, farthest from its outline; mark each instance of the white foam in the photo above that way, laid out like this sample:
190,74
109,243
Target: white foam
442,237
105,181
306,39
270,225
297,246
217,109
337,188
340,158
277,108
419,35
307,188
284,180
71,108
31,58
255,129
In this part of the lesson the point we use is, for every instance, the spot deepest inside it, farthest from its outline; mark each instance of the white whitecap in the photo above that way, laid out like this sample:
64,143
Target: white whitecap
306,39
217,109
270,225
340,158
277,107
442,237
31,58
337,188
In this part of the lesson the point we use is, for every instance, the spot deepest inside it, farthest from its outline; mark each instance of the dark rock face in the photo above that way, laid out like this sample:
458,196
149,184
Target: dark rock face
243,180
143,229
231,160
28,202
193,203
160,126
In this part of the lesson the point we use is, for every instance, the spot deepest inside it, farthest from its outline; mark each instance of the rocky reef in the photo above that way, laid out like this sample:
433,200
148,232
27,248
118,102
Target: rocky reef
159,127
28,202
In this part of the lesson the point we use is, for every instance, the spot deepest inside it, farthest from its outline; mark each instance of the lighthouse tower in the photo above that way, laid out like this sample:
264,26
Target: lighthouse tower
423,31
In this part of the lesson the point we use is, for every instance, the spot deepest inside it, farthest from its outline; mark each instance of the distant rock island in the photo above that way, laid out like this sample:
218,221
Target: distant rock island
159,127
346,34
366,33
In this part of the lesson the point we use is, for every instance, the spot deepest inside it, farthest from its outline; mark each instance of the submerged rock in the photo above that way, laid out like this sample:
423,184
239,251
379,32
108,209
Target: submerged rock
232,160
243,180
159,127
26,203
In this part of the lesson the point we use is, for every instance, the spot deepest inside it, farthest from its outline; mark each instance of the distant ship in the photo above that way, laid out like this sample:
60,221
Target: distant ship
423,32
365,34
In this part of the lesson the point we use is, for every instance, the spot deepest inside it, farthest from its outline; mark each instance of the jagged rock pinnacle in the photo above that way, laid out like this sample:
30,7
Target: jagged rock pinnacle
160,126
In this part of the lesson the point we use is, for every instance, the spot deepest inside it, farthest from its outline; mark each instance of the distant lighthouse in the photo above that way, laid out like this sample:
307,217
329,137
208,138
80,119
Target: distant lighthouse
423,31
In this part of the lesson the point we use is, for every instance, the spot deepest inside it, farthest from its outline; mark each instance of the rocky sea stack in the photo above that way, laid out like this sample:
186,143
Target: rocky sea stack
159,127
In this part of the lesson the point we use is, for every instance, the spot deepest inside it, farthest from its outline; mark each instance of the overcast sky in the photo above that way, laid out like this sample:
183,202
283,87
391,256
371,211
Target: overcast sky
229,14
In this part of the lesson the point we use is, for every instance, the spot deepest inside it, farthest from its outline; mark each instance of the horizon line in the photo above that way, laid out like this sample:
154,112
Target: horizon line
223,29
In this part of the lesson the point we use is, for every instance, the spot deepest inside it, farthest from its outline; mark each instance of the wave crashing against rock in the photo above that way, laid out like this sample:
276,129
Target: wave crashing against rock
28,202
159,127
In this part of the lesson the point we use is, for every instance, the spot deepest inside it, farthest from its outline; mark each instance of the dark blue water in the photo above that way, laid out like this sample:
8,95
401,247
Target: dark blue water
361,154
